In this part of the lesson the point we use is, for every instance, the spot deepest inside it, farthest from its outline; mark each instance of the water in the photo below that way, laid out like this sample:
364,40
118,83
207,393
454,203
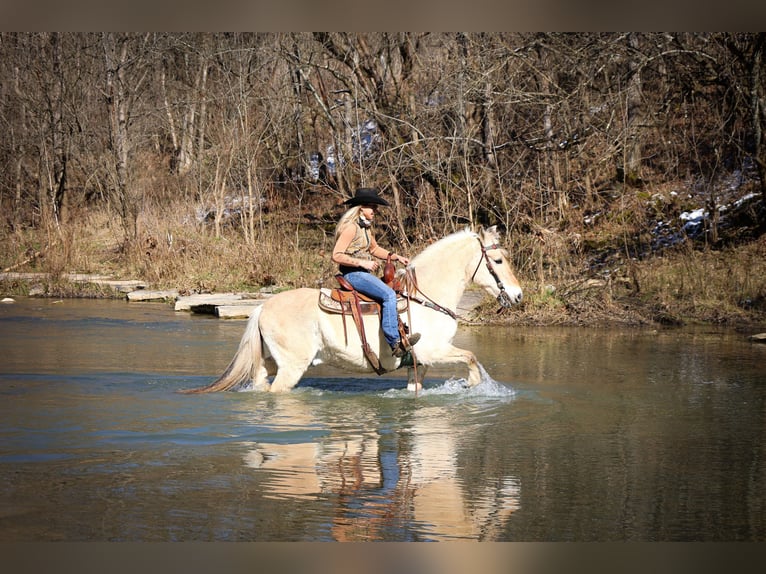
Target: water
574,434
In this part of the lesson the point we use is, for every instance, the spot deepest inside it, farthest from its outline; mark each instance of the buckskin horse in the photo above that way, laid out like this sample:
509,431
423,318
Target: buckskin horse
291,332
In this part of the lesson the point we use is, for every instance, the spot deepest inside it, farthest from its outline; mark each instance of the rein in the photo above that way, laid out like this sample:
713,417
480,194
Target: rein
410,283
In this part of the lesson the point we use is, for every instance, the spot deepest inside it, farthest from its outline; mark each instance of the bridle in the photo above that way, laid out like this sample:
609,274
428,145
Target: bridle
492,271
426,301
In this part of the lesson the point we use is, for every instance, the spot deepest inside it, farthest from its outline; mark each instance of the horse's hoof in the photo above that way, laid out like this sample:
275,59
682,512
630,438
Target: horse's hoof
414,387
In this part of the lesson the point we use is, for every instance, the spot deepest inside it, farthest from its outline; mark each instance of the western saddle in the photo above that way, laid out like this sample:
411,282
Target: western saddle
347,300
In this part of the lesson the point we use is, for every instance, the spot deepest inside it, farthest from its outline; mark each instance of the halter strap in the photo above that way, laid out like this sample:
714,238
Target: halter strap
485,257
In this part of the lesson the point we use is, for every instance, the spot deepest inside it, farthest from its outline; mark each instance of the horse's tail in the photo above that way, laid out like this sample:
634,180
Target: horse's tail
242,367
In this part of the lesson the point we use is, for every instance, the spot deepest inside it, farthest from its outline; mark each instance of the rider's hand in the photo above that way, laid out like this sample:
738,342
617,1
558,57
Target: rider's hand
371,265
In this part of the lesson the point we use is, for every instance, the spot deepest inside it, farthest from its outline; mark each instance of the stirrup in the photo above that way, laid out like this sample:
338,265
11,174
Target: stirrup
401,349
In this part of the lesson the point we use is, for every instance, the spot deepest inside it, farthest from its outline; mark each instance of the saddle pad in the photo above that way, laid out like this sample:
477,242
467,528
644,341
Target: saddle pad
330,305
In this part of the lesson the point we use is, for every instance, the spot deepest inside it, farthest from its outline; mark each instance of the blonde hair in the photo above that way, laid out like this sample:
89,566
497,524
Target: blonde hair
349,217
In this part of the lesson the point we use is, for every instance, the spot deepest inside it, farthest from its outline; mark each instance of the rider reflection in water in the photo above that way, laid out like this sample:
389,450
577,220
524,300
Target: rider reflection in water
354,252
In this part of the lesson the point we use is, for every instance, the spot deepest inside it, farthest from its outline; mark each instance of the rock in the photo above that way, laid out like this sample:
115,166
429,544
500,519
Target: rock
471,299
236,311
85,277
7,300
758,338
207,302
186,302
22,276
147,295
123,286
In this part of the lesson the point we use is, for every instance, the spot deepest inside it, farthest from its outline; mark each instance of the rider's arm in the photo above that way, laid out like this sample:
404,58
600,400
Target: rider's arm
383,253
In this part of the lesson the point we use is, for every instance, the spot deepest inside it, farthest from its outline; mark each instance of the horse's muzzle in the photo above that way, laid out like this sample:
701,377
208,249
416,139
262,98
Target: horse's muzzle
507,300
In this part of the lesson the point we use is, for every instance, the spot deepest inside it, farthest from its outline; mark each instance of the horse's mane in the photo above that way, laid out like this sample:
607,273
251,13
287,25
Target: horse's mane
445,244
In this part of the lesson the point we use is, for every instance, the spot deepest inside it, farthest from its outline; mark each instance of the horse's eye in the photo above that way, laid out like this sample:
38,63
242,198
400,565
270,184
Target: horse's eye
498,261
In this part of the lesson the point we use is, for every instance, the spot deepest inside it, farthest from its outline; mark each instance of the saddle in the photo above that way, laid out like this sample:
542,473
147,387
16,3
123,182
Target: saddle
345,300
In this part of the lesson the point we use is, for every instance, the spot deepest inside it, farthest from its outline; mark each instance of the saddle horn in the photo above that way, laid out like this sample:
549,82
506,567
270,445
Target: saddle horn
389,271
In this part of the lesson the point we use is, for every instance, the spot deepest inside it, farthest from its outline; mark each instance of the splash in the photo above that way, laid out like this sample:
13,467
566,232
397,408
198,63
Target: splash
487,388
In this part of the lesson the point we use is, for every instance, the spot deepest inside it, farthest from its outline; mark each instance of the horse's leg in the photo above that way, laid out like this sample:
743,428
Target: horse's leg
287,377
290,332
261,376
474,375
415,377
452,354
292,356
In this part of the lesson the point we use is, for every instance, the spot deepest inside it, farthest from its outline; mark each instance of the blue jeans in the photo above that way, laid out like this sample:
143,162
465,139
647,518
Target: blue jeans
374,288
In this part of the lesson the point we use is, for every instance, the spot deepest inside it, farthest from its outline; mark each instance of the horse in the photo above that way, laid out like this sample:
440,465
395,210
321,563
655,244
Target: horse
289,332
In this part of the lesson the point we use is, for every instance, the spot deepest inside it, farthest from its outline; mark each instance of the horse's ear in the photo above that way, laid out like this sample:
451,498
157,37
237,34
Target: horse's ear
492,230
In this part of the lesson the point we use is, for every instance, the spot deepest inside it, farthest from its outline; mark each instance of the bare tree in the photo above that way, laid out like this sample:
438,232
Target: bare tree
40,87
634,115
748,49
527,130
126,67
184,68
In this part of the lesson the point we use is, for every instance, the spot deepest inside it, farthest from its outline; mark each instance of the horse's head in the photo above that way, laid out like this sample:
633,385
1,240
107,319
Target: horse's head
493,270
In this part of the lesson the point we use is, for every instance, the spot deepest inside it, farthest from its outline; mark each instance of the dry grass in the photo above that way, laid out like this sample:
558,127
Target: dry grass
712,286
683,286
603,273
174,250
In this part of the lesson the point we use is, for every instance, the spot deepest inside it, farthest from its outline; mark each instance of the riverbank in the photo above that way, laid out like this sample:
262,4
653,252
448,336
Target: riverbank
601,275
646,298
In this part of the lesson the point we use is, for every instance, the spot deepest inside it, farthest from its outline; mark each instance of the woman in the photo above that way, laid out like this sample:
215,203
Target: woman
354,252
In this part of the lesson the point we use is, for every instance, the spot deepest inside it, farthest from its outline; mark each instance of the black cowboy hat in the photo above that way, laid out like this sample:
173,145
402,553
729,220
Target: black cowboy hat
366,196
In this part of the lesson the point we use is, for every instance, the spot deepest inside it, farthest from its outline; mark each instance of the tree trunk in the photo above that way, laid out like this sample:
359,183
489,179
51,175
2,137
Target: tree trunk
116,55
758,109
57,185
634,117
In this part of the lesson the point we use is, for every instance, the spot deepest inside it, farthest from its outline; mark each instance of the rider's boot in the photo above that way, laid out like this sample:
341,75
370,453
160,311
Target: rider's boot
402,347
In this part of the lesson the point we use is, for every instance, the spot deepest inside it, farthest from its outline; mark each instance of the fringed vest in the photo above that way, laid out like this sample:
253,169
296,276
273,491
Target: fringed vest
358,248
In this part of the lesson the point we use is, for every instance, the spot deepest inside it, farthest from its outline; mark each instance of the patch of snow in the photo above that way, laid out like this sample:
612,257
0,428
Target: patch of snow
695,215
591,219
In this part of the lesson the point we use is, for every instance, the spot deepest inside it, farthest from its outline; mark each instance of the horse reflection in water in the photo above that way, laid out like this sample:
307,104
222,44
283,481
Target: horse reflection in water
385,484
289,333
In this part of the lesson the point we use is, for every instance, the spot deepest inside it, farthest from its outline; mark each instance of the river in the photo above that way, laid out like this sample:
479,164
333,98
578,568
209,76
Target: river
575,434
